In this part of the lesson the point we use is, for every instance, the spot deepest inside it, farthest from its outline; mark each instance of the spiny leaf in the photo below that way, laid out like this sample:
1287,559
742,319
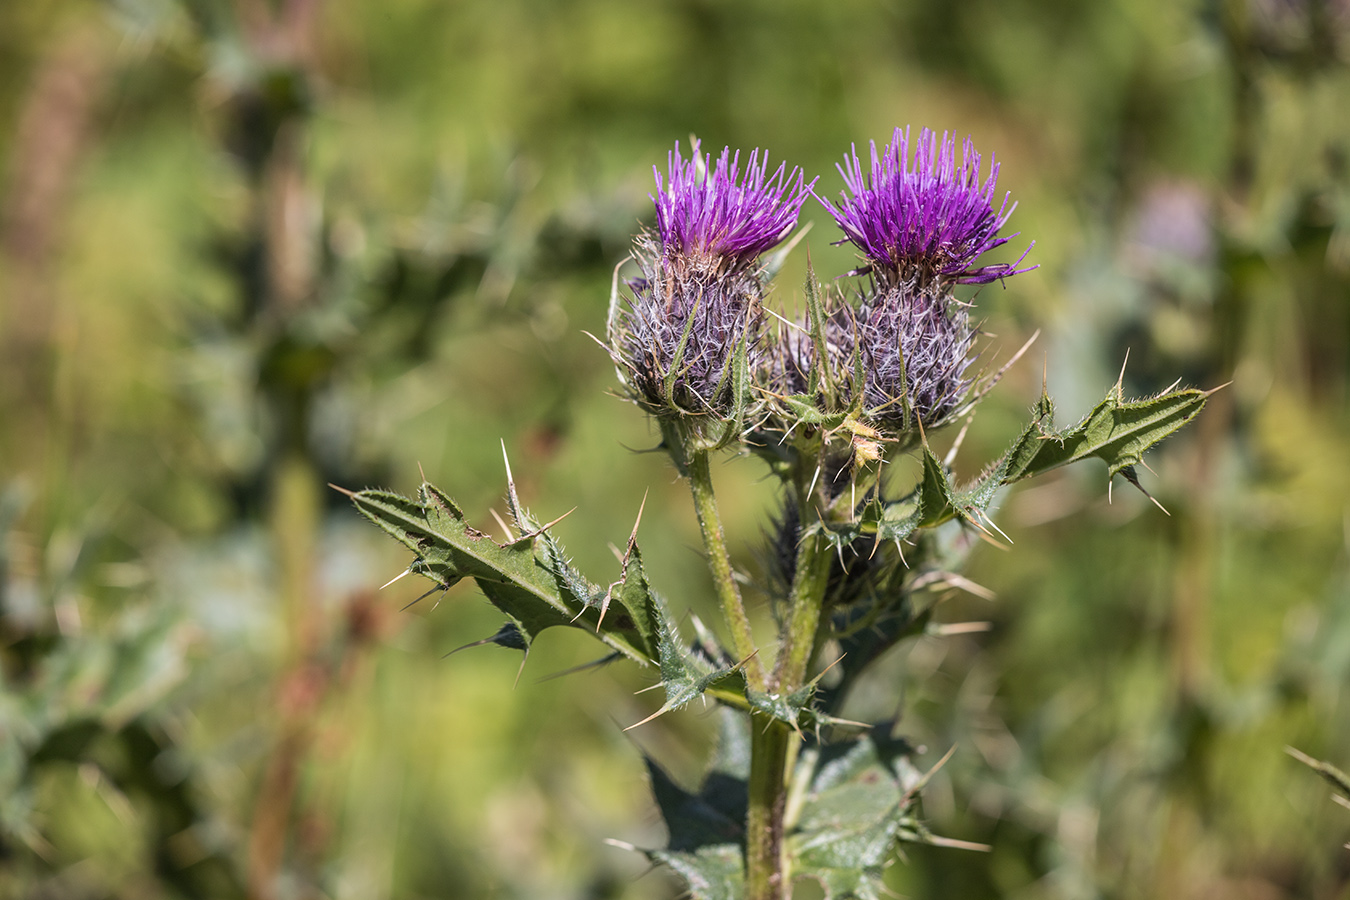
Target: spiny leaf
933,501
697,820
528,577
707,828
687,674
738,370
865,632
859,801
507,636
802,408
815,311
712,873
796,710
716,814
1116,431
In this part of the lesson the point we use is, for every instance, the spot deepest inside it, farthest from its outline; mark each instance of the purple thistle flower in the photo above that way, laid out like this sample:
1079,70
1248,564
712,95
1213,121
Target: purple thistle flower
915,347
714,213
677,339
697,303
923,218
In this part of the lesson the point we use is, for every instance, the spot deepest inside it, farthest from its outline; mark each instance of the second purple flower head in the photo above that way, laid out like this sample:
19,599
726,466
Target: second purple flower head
921,222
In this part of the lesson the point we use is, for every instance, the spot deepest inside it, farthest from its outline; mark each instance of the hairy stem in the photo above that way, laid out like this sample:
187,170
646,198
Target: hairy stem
807,602
733,608
766,874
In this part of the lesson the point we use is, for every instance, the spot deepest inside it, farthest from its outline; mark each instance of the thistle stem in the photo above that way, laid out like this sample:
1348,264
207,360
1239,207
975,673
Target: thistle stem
768,875
714,541
809,583
766,871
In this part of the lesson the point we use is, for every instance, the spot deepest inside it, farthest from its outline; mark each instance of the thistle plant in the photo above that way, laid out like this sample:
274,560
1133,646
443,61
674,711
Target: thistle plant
858,561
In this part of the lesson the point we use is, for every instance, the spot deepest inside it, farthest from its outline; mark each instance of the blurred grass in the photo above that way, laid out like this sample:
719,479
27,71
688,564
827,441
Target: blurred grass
345,240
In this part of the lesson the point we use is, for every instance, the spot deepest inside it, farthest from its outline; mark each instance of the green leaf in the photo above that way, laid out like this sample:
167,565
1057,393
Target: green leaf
933,501
711,873
707,828
739,371
716,814
1116,431
864,632
860,800
815,311
802,408
796,710
687,674
528,578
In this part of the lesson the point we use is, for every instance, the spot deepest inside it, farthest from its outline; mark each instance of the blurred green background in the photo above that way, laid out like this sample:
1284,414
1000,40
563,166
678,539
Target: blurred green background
252,247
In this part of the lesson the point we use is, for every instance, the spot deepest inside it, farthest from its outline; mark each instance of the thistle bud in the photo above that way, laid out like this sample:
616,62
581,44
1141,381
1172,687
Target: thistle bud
690,330
793,364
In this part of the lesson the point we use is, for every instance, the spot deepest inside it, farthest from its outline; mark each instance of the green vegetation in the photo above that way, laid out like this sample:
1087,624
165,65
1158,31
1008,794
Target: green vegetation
249,248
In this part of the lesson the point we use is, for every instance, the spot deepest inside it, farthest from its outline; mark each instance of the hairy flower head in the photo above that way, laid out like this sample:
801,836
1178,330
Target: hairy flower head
694,312
793,362
921,217
916,345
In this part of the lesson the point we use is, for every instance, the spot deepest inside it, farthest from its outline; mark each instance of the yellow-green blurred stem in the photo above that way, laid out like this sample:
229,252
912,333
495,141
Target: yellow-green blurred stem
714,541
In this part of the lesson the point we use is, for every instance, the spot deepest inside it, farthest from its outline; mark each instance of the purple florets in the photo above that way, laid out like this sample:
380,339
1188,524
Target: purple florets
696,306
925,218
718,214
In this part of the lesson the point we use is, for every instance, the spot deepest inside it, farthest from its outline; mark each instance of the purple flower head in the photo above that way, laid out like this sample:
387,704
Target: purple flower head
916,348
713,213
923,217
677,338
695,310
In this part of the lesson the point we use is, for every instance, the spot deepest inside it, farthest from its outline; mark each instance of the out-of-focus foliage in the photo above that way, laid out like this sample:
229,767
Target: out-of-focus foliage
251,247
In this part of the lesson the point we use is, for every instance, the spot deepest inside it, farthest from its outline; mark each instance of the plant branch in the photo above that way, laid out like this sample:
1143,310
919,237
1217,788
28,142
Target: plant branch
768,873
719,560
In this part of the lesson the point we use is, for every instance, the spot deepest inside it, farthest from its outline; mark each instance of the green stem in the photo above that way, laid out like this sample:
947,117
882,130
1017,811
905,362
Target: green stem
807,602
768,874
766,871
743,640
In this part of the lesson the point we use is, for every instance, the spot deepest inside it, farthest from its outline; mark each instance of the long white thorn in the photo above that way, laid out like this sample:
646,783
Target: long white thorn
1120,379
502,522
506,461
956,444
814,478
989,519
788,322
407,571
